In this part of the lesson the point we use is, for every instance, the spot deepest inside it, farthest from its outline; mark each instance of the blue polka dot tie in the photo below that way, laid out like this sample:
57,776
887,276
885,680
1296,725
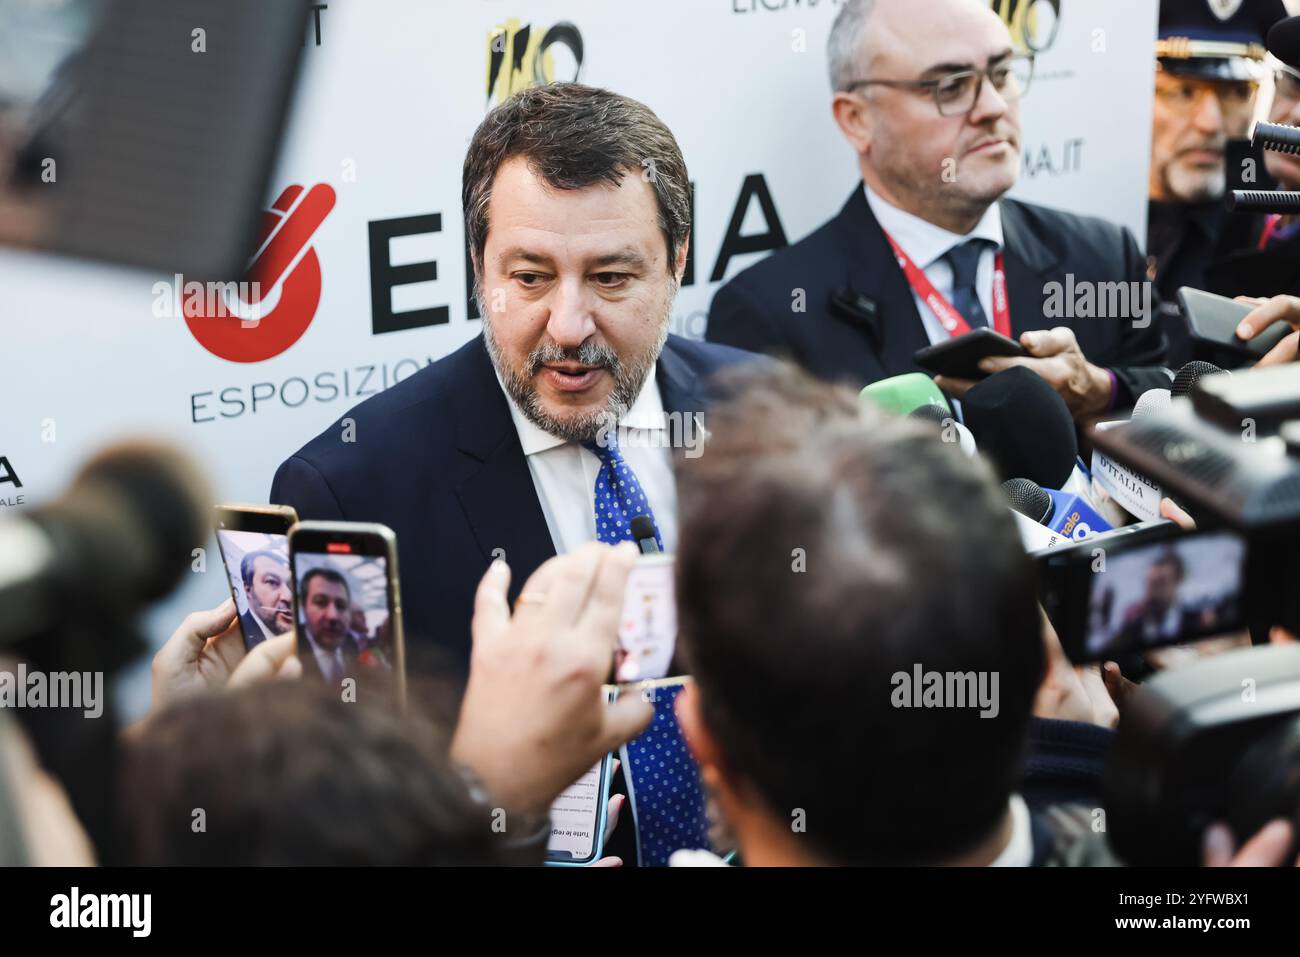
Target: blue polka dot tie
663,786
619,496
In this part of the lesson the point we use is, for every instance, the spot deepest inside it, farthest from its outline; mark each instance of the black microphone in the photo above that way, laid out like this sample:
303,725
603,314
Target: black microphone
1283,41
1189,375
1022,426
1029,499
122,535
643,530
1284,202
1276,137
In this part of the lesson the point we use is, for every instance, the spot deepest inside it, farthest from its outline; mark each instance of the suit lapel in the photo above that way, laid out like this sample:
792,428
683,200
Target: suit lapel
1030,264
494,485
874,272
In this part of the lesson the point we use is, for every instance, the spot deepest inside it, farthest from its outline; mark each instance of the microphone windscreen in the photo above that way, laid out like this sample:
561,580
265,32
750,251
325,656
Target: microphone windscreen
1284,41
1023,426
930,413
136,511
901,394
1029,499
642,528
1189,375
1151,402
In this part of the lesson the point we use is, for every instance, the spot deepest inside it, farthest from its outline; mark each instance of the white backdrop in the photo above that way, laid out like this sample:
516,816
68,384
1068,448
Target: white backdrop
387,103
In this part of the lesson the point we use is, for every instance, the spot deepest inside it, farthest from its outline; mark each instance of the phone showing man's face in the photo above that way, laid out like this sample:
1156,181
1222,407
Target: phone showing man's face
254,544
349,605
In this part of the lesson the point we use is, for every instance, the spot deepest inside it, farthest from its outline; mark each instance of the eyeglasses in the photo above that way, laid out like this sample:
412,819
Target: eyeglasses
1183,94
957,93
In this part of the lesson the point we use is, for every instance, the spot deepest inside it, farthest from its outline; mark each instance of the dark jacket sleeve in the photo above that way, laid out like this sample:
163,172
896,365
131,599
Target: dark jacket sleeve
1139,366
298,483
737,319
1064,763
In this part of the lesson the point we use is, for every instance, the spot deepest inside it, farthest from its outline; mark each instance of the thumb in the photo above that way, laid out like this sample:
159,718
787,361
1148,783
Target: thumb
625,718
264,661
1041,343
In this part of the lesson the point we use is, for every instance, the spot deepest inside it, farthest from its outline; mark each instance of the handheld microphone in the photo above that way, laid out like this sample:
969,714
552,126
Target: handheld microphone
1022,426
1191,374
1283,41
122,535
1130,490
1282,201
1063,512
904,394
950,430
1276,138
643,530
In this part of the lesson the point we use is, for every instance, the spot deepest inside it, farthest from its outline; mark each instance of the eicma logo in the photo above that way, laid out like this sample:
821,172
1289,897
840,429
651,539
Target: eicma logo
261,317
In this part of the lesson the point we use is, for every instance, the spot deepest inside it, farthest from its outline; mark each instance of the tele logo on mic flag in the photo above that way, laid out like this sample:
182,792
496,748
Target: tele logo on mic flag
282,287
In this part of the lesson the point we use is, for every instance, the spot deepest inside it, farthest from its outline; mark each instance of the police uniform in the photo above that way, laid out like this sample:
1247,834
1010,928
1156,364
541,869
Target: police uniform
1210,40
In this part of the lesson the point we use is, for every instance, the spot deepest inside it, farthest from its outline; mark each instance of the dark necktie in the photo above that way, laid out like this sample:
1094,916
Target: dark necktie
965,262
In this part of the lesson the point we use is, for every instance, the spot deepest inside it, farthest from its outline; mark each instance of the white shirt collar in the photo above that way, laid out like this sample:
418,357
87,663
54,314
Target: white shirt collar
923,241
646,413
1019,851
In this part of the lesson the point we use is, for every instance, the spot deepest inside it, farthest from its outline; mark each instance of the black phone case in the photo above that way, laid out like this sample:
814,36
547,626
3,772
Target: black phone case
959,357
1213,318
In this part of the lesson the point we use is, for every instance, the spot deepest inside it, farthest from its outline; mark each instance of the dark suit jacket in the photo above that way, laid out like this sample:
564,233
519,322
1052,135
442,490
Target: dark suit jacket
437,459
755,309
253,634
311,667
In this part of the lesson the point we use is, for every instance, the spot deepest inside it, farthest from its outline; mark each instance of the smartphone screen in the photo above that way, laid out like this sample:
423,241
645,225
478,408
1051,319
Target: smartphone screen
647,633
349,618
1166,593
254,547
576,818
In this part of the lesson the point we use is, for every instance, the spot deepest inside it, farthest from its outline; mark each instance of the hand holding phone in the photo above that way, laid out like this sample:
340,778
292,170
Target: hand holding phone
254,545
349,605
960,356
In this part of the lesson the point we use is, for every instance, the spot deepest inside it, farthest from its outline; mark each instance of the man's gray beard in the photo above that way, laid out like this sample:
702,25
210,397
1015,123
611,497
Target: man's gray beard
1195,187
629,377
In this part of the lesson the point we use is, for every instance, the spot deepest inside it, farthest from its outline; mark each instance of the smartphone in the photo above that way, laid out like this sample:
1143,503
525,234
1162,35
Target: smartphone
349,605
254,545
1213,320
647,631
578,818
959,357
1114,596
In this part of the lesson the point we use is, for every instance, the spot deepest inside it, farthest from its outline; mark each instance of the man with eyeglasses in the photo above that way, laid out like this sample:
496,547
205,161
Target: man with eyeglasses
927,92
1208,67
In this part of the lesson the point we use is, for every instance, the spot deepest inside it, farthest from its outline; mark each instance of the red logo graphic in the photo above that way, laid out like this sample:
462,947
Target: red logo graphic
281,290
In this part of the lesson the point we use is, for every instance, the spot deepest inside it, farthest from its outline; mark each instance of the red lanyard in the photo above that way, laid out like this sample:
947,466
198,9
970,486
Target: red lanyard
1270,227
953,321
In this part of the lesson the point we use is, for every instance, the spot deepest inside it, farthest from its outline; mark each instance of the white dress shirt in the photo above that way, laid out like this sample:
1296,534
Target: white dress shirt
927,243
331,663
564,473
